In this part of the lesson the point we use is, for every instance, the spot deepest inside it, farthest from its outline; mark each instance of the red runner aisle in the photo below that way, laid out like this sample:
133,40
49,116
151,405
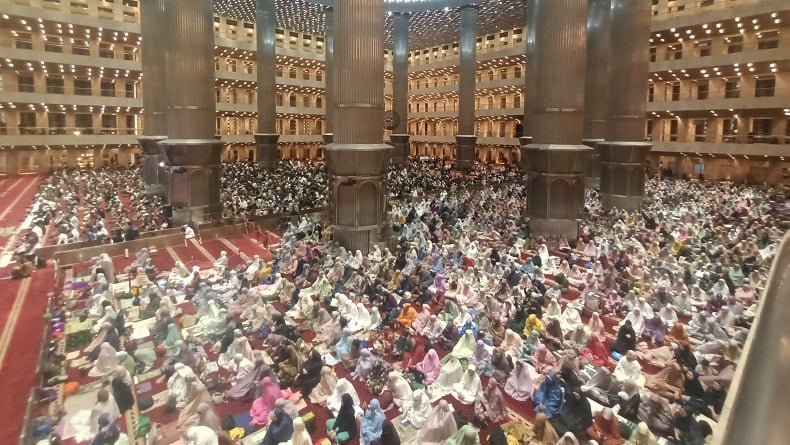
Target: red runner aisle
14,203
18,372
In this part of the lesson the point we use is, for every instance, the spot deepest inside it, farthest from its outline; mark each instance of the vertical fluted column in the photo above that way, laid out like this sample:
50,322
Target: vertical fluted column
357,159
400,86
630,66
267,152
329,74
152,26
192,148
556,55
596,95
465,140
624,154
554,116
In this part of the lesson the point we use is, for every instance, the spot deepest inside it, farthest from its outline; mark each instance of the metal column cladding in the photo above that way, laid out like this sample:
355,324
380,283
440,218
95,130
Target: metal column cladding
400,69
629,69
265,25
359,71
596,96
467,70
329,72
192,102
152,28
357,159
556,55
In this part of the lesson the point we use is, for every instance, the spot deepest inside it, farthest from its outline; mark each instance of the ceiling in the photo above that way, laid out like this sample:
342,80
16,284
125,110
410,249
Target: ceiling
433,22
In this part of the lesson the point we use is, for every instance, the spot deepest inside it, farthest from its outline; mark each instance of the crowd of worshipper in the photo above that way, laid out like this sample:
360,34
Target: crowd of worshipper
425,175
628,334
85,205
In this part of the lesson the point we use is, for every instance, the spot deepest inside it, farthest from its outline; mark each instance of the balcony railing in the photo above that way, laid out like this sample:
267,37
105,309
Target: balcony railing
698,6
78,91
74,131
732,93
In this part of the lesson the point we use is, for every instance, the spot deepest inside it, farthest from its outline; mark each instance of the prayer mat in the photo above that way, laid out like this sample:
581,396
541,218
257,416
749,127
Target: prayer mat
255,438
242,420
140,329
407,433
148,375
78,340
143,387
83,400
81,362
128,304
92,386
159,400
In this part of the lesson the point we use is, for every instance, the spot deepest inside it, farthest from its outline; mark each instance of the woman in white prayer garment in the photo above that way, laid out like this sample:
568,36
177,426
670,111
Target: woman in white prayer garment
178,384
637,321
401,390
417,409
628,368
469,387
450,374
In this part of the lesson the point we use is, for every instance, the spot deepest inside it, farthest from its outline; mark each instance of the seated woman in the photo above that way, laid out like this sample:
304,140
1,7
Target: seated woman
575,416
429,369
549,398
602,387
595,352
626,340
543,360
343,427
668,382
520,385
490,404
628,368
416,409
605,429
263,405
450,374
310,375
468,388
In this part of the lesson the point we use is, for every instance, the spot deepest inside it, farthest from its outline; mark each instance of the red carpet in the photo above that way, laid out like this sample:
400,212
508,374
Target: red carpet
14,203
18,372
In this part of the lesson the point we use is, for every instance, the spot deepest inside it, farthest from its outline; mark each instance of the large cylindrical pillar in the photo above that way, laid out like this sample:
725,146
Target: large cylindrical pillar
267,153
192,148
152,28
554,116
466,140
596,95
357,159
556,55
624,154
400,86
329,73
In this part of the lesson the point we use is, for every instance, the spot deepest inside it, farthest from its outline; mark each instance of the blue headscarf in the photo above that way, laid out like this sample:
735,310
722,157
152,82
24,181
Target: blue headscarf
468,326
549,394
343,346
372,422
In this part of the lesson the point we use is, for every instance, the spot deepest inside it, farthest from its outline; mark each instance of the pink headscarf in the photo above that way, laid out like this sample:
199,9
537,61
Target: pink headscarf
264,404
430,367
543,360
